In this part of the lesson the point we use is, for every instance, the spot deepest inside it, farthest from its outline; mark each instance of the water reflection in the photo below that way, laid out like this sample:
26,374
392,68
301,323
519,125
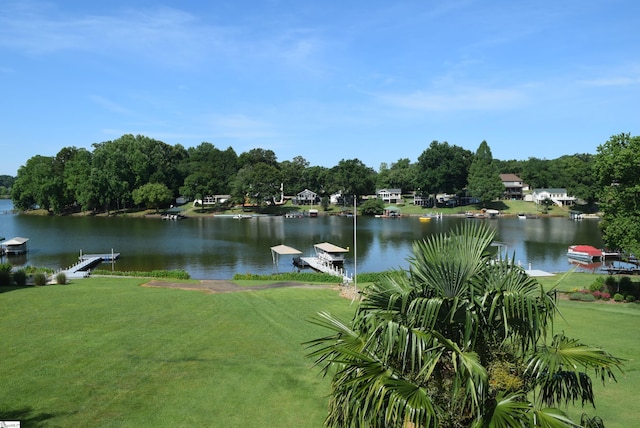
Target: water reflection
220,247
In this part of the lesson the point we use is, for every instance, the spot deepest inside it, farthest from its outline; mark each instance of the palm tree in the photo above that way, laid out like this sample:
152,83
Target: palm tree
461,340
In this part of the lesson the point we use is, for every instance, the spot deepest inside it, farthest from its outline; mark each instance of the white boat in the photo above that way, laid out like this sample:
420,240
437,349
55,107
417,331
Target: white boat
242,216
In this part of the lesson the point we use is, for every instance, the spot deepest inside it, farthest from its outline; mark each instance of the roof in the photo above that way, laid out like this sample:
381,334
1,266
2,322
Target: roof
285,250
509,177
16,241
330,248
389,190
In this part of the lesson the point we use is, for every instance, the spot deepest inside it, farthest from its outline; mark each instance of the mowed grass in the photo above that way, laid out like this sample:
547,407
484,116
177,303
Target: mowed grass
105,352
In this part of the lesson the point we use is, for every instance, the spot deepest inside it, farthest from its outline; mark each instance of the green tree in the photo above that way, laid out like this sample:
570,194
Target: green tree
443,168
373,206
401,175
257,184
293,175
537,173
36,184
617,168
579,177
208,171
152,195
353,177
459,341
484,178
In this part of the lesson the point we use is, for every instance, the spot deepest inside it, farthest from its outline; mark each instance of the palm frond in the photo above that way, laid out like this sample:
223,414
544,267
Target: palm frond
560,370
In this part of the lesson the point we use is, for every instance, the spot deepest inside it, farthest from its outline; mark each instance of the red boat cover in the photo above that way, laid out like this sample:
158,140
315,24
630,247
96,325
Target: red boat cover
588,249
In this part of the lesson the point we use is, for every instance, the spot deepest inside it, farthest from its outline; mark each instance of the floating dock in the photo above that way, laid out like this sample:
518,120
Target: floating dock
86,262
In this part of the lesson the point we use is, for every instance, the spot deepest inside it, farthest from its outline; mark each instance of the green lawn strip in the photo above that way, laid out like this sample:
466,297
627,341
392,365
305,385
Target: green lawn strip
105,352
569,281
613,327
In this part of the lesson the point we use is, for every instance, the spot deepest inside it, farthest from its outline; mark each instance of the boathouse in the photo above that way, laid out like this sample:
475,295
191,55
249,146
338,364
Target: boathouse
330,253
16,245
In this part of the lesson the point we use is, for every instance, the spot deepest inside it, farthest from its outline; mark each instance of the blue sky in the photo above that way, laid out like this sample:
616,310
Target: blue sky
326,80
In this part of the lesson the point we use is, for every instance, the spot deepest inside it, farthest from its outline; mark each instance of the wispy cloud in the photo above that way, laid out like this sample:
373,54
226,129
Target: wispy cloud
466,98
159,35
239,126
110,105
613,81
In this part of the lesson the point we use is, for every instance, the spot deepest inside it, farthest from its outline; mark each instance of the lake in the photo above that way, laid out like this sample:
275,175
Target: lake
218,247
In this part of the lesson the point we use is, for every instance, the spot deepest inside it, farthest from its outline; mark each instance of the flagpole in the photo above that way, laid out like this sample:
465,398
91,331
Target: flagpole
355,244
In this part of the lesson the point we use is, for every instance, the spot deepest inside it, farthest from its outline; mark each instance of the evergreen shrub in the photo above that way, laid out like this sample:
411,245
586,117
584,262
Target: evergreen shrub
61,278
39,278
20,277
618,297
5,274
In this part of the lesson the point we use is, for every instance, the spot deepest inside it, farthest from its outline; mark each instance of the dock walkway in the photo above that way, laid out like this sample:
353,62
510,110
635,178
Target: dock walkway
86,262
327,267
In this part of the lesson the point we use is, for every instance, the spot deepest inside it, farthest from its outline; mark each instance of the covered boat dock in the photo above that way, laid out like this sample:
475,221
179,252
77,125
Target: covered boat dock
282,250
16,245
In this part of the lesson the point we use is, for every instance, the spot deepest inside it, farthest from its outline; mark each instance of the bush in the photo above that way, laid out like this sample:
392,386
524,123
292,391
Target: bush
618,297
575,296
20,277
61,278
5,274
597,284
629,298
39,278
588,298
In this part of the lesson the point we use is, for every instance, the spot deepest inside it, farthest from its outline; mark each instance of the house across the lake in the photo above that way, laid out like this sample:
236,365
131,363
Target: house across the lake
307,197
389,196
513,186
558,196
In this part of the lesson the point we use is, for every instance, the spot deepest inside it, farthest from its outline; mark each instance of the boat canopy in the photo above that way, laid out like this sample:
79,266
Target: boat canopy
284,250
330,248
16,241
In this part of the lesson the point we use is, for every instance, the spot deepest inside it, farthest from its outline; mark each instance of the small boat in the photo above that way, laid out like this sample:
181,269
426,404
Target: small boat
427,217
242,216
522,216
584,252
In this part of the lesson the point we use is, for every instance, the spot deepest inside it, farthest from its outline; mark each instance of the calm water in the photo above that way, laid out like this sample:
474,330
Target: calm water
217,247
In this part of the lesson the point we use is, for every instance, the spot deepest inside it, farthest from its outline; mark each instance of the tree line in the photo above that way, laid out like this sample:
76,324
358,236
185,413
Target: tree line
133,171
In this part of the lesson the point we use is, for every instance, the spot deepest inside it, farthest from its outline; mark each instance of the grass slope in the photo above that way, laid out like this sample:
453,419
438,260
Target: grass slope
105,352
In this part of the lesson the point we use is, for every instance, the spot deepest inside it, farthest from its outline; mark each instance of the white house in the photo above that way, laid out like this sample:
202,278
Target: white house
558,196
390,196
307,197
335,198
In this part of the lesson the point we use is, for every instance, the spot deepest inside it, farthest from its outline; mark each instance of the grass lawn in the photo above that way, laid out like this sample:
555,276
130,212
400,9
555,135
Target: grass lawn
105,352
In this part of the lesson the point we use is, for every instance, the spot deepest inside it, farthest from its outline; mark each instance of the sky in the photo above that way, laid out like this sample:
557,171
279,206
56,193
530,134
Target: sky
327,80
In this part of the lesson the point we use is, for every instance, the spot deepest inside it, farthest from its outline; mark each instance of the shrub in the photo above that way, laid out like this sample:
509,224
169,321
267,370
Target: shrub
575,296
39,278
5,274
618,297
61,278
597,284
625,285
20,277
629,298
605,296
588,298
